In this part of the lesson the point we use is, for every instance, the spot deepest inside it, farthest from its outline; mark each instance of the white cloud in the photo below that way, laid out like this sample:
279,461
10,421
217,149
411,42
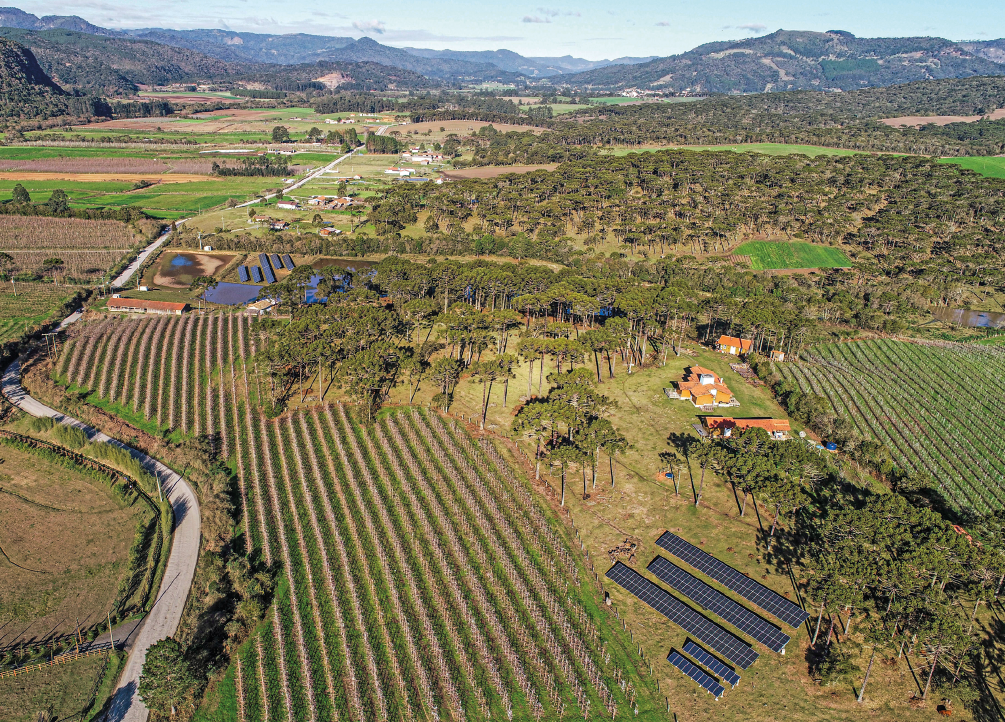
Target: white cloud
535,19
370,26
554,13
752,27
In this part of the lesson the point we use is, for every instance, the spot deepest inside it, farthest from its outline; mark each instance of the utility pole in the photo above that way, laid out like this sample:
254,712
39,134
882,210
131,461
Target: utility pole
76,631
51,337
111,639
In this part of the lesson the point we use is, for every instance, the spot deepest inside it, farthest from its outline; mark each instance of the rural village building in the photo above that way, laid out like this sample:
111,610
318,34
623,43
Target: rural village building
703,389
260,308
138,305
289,205
724,425
732,345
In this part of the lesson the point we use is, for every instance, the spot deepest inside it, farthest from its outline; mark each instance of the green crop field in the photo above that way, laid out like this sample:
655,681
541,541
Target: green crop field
766,255
990,166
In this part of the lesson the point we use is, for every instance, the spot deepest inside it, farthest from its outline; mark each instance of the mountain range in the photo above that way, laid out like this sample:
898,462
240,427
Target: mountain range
802,60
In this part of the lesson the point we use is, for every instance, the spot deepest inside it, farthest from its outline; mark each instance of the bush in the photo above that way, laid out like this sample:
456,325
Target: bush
41,424
70,436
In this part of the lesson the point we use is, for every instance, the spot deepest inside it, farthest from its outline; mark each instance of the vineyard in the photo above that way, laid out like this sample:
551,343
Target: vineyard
33,304
418,578
937,408
78,265
37,232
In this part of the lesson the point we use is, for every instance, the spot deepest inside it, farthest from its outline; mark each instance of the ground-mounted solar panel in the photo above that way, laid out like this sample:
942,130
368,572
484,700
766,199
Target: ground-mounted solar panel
276,262
270,277
714,601
709,683
694,623
754,592
288,261
242,272
711,663
256,274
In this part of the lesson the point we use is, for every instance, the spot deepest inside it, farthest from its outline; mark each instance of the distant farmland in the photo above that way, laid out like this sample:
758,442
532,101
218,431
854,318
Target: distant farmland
767,255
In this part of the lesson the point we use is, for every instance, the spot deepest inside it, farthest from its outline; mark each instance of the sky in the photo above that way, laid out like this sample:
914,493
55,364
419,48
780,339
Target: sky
587,29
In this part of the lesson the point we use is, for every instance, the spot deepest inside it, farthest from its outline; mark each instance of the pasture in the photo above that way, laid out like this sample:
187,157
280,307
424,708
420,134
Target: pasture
768,255
66,538
990,166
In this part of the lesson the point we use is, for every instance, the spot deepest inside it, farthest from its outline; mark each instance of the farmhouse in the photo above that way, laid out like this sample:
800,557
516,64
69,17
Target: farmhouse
329,232
724,425
260,308
732,345
263,219
289,205
704,389
136,305
279,225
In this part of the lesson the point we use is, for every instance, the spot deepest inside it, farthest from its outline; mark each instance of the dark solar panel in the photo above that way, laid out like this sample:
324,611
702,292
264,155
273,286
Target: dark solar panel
705,680
288,261
753,592
276,263
697,625
716,602
242,271
711,663
256,273
270,277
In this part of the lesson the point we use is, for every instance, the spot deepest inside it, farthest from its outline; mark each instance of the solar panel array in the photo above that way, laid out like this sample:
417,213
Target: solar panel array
276,263
711,663
242,272
270,277
705,680
288,261
256,273
718,603
697,625
754,592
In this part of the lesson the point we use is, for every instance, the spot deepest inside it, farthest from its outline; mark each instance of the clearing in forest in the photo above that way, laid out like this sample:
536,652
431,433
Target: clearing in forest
766,255
937,408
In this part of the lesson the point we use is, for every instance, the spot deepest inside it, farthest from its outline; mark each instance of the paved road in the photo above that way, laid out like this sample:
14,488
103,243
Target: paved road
165,616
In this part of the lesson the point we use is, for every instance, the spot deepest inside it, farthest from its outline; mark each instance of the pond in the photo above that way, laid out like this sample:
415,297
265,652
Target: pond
970,319
181,260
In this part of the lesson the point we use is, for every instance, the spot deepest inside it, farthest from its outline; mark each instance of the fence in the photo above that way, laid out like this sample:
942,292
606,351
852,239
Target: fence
61,659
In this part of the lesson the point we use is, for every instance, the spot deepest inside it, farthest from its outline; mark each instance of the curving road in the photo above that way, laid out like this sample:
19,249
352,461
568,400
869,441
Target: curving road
165,616
120,281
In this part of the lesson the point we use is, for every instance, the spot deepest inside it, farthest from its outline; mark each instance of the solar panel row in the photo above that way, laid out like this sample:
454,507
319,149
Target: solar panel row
270,277
711,663
256,274
276,263
754,592
288,261
242,272
697,625
718,603
705,680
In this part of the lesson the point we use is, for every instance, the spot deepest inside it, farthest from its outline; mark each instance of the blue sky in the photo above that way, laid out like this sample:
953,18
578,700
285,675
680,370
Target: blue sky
588,29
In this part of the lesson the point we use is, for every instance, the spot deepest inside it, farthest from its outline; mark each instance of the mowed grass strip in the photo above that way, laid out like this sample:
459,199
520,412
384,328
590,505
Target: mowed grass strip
768,255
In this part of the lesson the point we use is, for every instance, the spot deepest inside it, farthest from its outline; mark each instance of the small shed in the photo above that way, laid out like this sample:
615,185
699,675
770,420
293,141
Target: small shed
732,345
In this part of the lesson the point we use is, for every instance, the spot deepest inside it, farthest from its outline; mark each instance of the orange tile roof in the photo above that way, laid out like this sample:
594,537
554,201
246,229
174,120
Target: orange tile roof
141,303
728,422
740,343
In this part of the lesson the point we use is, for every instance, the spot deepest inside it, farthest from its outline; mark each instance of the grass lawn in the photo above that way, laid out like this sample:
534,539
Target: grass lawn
777,254
990,166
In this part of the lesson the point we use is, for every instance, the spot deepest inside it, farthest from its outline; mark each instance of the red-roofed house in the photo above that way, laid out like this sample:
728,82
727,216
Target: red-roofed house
724,425
138,305
703,388
733,346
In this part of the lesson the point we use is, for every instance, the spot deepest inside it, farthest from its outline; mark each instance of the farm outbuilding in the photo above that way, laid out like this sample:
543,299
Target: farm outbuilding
724,425
704,389
732,345
136,305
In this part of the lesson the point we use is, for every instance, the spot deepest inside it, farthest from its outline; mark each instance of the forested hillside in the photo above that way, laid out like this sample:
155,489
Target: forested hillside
25,90
796,60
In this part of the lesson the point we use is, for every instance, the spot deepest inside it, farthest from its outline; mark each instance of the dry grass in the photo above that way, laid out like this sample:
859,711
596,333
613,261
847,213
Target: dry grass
66,539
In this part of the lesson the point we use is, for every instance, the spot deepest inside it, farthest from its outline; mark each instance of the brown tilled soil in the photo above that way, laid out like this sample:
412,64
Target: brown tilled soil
101,177
491,171
919,120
